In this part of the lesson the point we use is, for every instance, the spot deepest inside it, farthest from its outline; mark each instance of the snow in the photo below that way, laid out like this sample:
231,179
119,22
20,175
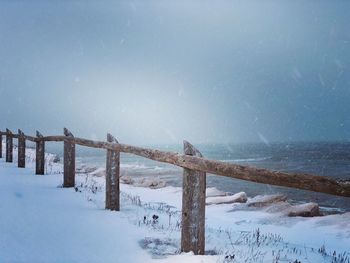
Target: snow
265,200
42,222
308,209
213,192
228,199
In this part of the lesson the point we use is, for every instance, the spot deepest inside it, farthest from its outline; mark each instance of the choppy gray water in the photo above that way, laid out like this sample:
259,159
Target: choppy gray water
328,159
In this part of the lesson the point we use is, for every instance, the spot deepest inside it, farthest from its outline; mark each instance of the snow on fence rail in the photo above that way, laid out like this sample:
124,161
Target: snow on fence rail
194,183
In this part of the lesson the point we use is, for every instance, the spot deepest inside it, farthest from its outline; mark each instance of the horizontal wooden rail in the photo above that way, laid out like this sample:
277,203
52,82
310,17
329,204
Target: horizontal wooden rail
31,138
310,182
83,142
302,181
16,136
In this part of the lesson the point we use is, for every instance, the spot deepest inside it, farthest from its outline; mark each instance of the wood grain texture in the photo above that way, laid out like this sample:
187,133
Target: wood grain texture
9,146
21,149
193,207
68,160
112,177
40,155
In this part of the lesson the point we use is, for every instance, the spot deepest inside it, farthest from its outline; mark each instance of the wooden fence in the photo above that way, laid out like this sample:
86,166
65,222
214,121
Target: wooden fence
194,175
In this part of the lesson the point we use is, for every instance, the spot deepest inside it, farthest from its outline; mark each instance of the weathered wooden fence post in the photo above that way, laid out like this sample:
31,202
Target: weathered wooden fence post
9,146
0,144
40,154
69,160
112,177
193,207
21,149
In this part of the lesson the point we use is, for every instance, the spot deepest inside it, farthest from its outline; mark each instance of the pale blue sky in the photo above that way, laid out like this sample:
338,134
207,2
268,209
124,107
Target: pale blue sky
164,71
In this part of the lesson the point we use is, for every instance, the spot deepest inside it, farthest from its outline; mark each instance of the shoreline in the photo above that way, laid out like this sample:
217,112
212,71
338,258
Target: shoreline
229,228
172,175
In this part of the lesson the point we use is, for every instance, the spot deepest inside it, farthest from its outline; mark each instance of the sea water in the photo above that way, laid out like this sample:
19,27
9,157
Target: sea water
327,159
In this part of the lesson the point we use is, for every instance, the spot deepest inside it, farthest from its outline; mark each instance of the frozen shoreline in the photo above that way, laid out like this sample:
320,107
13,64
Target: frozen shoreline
255,235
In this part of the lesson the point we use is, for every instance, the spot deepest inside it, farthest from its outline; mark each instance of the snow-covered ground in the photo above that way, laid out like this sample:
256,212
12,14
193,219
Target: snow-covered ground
42,222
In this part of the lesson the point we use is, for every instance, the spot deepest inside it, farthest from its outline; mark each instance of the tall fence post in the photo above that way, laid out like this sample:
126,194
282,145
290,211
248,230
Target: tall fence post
69,160
21,149
112,177
0,144
9,146
193,207
40,154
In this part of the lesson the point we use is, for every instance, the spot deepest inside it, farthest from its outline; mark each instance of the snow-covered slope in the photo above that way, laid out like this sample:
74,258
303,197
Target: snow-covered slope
42,222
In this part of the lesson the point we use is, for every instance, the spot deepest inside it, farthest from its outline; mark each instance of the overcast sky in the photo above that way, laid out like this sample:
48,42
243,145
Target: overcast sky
164,71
